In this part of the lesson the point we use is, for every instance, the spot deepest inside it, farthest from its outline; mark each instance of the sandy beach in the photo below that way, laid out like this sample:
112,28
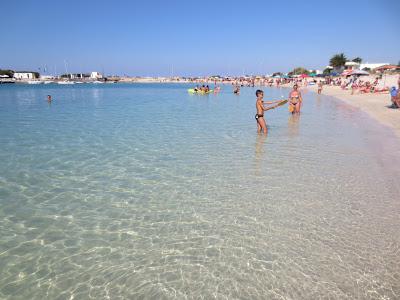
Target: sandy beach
376,105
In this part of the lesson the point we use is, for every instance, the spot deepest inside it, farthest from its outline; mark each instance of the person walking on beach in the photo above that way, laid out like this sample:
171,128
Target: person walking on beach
320,87
295,100
394,95
261,124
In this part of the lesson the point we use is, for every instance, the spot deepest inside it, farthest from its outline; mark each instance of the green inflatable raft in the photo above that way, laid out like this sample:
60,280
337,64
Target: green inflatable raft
193,91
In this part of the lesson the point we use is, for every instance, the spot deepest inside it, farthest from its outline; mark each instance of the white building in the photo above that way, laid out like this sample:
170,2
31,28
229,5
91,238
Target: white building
46,77
351,65
24,75
96,75
372,66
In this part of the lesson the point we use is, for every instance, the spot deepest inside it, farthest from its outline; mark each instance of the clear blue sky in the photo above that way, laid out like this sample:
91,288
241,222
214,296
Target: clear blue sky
195,37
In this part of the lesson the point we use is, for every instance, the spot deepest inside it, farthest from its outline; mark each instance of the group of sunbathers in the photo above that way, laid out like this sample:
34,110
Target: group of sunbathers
367,87
359,85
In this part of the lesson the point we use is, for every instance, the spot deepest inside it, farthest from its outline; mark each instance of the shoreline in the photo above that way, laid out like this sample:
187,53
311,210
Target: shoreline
374,105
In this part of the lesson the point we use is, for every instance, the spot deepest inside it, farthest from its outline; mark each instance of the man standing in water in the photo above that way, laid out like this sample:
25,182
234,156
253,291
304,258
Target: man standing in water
261,124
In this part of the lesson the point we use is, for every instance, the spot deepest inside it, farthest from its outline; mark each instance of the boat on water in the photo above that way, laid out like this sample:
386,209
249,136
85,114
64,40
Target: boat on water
7,80
97,82
66,82
34,82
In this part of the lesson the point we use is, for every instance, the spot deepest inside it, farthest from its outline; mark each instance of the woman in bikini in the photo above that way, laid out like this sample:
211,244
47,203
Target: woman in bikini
295,100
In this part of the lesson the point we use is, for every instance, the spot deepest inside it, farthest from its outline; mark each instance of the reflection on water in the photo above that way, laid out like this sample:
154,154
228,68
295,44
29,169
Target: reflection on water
259,152
294,125
143,191
318,100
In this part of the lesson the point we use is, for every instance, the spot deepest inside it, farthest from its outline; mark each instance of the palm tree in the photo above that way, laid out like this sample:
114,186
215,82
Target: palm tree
338,60
300,70
358,60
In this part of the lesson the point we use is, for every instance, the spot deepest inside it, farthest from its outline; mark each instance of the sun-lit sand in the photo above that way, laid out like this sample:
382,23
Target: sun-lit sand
376,105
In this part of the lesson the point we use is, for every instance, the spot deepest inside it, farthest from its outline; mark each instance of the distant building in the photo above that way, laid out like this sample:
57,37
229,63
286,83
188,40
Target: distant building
96,75
351,65
372,66
79,76
25,75
46,77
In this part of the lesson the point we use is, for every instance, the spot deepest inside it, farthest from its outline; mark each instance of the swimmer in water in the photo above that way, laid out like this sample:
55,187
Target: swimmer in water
295,100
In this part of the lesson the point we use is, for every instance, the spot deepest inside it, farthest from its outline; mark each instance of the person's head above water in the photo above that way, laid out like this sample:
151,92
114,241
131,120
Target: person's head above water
259,93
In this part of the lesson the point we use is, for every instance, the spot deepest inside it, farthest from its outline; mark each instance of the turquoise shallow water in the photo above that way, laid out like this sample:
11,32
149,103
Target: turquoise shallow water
143,191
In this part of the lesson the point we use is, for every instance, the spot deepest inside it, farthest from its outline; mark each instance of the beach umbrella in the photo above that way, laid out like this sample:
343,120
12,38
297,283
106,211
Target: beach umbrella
386,68
312,74
347,72
304,76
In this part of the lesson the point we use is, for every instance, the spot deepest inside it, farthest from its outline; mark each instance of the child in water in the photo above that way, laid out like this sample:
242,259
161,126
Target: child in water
261,124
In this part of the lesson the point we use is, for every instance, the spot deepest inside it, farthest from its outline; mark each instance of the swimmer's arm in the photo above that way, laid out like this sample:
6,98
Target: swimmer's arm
270,107
272,102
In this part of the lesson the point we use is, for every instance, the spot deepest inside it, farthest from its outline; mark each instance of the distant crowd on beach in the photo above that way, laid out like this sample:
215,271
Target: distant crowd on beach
355,84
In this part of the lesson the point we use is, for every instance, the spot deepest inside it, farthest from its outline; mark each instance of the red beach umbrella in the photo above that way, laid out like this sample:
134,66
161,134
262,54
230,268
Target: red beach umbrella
387,67
347,72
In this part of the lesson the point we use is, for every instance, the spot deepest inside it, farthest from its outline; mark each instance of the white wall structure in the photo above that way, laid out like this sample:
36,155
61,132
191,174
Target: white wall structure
372,66
96,75
351,65
46,77
24,75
